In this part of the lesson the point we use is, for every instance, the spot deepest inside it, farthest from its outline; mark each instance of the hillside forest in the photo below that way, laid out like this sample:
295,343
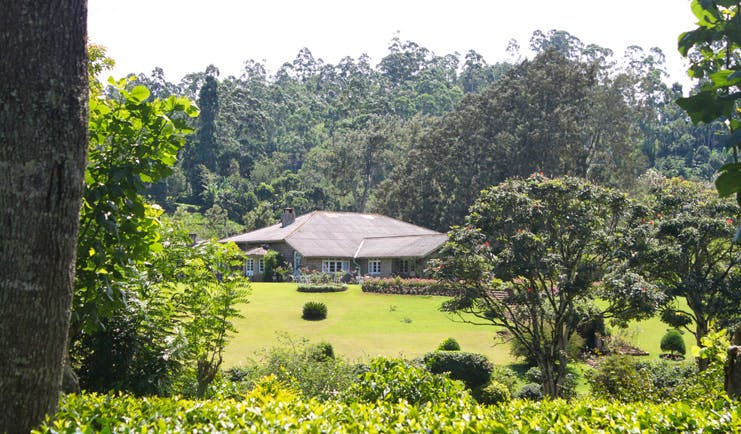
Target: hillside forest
419,134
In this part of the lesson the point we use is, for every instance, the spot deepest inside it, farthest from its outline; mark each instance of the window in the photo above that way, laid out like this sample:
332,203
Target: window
406,266
249,267
335,265
374,266
260,265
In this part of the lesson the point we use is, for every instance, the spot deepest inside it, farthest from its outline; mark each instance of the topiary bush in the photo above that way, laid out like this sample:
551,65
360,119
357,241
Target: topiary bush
531,392
673,342
534,375
473,369
493,393
449,344
314,311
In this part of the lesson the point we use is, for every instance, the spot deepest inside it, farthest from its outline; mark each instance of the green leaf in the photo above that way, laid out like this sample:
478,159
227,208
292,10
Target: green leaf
705,106
728,182
139,94
732,140
706,13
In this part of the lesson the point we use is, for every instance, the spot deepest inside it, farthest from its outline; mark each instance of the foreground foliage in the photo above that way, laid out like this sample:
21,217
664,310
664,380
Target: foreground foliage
273,411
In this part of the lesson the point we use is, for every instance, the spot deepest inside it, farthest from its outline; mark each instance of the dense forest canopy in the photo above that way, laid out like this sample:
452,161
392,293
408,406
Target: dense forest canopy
418,135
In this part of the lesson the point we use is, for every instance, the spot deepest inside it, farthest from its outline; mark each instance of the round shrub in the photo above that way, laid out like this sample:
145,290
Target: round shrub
673,342
473,369
534,375
530,391
314,310
321,351
493,393
449,344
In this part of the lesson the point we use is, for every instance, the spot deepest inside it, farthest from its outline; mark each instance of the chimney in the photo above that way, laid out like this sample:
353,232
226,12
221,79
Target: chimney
288,217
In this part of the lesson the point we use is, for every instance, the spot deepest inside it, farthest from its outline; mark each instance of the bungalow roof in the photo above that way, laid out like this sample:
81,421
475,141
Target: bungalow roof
345,234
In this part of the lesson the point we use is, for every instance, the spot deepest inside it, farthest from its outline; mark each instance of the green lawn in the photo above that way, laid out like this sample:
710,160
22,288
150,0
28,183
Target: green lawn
361,325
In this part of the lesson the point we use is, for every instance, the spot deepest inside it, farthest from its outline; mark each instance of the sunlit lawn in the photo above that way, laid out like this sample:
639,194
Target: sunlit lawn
361,325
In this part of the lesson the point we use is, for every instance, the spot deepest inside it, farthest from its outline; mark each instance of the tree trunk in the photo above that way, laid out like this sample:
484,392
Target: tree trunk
701,330
43,146
733,366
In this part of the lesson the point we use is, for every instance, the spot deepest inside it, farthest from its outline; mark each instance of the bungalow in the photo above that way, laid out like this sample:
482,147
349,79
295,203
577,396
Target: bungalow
330,242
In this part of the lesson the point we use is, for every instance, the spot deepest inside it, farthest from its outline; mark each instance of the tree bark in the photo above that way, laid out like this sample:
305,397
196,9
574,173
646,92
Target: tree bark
733,366
43,147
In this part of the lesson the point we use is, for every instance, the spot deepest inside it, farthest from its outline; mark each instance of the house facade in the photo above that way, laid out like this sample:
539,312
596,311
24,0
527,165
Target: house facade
332,242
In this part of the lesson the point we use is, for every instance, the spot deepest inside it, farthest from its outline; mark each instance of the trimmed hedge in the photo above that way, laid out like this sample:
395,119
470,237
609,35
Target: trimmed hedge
272,411
321,287
399,286
472,369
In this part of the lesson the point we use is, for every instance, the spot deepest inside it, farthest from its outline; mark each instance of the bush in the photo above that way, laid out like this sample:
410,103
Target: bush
534,375
392,380
504,375
666,379
673,342
306,368
321,287
314,310
272,261
493,393
617,378
397,285
272,409
321,351
531,392
473,369
449,344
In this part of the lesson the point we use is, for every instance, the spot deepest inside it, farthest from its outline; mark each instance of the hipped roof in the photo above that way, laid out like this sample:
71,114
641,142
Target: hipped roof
344,234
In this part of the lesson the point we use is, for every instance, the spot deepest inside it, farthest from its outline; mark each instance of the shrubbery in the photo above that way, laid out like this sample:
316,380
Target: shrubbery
394,380
397,285
493,393
449,344
312,370
314,310
321,287
473,369
530,392
273,409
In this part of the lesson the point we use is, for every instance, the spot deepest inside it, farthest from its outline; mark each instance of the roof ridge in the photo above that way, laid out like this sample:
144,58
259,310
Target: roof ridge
360,246
410,235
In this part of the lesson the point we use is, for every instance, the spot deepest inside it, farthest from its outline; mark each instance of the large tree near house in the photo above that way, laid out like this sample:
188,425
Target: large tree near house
43,145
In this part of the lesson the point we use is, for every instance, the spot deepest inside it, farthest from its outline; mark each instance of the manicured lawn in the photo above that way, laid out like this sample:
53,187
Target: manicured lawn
361,325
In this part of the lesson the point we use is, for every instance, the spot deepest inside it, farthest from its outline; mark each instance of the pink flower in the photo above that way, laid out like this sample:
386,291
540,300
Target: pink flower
729,221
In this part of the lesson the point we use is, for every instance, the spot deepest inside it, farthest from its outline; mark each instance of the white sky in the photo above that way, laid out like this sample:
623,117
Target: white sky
186,36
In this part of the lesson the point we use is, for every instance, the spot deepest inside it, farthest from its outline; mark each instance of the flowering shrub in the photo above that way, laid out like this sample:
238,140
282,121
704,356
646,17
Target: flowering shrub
399,286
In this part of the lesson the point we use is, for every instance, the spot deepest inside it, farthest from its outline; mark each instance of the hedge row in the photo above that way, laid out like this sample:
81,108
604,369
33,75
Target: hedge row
119,413
399,286
321,287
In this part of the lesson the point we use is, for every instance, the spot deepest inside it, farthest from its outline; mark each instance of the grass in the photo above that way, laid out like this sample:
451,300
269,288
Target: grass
362,325
358,325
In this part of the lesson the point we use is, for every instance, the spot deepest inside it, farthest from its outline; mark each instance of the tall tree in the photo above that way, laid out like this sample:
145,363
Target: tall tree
690,256
43,145
533,258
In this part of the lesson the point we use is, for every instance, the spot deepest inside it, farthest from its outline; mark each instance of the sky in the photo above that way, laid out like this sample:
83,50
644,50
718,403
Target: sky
186,36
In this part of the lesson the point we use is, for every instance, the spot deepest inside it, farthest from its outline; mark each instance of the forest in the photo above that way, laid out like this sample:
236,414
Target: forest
418,135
